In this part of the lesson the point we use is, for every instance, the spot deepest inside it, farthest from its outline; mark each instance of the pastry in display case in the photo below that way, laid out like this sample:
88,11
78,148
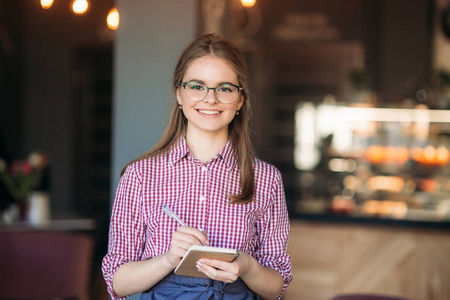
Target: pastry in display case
374,163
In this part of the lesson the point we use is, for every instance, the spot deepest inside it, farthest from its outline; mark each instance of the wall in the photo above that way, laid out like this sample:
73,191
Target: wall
396,36
10,86
49,40
405,49
150,37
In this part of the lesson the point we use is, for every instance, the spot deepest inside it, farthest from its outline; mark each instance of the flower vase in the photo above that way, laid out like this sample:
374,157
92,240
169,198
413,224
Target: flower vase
39,208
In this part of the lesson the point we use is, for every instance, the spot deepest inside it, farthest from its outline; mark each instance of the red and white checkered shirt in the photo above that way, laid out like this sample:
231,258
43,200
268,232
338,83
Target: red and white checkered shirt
197,192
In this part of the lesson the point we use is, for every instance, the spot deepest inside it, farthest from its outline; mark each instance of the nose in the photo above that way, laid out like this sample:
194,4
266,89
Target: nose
210,96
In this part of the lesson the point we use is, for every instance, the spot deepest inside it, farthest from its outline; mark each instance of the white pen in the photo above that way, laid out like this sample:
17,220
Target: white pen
173,215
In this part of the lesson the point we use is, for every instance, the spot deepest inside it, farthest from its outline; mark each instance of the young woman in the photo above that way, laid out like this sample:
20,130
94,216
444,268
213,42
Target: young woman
204,169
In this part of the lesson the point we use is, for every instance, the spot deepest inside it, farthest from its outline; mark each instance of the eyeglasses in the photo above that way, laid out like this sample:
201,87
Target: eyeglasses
225,93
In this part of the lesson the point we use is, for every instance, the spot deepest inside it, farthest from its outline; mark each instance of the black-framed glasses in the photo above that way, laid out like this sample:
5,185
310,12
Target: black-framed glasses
225,93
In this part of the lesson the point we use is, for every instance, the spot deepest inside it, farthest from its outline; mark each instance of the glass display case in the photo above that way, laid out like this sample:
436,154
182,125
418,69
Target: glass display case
372,163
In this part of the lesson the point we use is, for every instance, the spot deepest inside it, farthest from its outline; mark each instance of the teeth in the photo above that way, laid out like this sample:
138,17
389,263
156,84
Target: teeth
209,112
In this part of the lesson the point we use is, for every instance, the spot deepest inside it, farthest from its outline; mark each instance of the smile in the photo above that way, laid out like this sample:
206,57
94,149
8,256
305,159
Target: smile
209,112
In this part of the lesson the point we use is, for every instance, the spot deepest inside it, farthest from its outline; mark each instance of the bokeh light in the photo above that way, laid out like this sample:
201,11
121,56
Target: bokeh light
113,19
80,6
46,4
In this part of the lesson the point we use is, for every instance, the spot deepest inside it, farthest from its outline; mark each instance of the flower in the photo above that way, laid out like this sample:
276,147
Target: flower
23,176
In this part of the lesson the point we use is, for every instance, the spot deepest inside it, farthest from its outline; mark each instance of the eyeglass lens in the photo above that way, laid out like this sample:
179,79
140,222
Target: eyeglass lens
225,93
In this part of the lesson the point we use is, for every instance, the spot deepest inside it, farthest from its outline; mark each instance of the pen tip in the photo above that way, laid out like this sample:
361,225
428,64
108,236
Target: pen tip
164,205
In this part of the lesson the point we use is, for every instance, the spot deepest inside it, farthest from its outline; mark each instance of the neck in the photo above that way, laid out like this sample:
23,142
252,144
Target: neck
204,146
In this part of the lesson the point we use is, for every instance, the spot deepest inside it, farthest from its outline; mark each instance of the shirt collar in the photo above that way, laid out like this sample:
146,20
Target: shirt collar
227,155
181,150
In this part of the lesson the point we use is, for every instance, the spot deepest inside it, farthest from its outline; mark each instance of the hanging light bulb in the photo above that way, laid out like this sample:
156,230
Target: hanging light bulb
248,3
80,6
113,19
46,4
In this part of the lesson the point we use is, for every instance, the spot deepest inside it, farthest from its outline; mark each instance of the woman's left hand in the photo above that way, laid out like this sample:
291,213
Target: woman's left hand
222,270
264,281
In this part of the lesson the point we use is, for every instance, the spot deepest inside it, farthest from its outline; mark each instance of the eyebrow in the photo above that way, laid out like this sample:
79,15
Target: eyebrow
220,83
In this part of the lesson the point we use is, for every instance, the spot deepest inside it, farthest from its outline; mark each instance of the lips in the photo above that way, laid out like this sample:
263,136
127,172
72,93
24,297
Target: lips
209,112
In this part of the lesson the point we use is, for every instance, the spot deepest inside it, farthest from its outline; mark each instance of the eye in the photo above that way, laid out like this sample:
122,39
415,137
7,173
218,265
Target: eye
196,86
226,88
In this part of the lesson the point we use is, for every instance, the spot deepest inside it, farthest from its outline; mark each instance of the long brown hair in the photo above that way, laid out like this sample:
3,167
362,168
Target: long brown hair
239,133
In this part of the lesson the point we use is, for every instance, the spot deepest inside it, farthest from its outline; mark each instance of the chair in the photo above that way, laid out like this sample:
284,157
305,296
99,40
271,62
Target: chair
366,297
44,265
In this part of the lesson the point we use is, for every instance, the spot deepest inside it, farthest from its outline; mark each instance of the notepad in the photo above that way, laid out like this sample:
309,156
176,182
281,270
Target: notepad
187,265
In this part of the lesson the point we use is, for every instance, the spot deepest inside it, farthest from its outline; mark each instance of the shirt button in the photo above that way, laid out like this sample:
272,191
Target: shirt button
202,198
204,168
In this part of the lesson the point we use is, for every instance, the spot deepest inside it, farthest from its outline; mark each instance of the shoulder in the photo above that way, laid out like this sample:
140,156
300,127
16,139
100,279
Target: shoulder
269,186
148,165
265,170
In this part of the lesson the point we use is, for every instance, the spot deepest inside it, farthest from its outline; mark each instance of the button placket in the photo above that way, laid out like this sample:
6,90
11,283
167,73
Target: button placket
205,187
203,195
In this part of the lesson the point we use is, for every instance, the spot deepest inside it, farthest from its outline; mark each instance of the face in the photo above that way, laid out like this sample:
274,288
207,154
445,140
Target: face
209,116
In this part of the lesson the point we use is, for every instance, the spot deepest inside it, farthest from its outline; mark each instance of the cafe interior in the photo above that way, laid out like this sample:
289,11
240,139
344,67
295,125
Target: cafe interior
351,103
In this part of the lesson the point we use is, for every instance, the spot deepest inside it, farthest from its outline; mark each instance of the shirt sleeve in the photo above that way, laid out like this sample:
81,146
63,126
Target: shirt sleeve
127,230
273,230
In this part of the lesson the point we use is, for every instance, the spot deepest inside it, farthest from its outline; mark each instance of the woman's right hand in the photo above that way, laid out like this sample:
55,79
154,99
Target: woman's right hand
137,276
183,238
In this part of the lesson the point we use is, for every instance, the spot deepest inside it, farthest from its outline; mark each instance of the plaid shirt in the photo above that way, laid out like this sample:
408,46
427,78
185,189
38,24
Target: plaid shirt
197,192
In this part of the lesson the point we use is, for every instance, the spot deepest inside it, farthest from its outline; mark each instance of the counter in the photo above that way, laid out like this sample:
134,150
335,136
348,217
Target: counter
335,258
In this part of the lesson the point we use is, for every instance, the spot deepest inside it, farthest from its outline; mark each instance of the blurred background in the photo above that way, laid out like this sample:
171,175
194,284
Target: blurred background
351,102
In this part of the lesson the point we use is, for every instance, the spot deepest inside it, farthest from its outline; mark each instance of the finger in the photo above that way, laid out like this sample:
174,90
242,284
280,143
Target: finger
185,238
221,265
199,235
215,274
205,241
181,244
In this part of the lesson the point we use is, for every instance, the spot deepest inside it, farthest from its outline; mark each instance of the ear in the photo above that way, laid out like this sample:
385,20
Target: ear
178,96
241,102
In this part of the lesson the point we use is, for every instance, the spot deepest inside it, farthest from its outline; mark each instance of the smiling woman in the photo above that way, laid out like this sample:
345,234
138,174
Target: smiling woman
205,171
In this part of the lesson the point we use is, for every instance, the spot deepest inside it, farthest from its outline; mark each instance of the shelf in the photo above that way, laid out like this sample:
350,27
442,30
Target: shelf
381,164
